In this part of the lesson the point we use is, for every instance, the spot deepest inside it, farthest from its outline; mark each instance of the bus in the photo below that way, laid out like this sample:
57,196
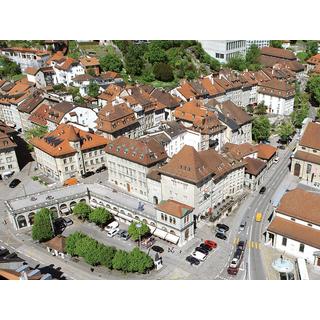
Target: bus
302,270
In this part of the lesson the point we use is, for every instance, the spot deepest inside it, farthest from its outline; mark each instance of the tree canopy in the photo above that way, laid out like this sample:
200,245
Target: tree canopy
311,48
260,128
82,210
252,58
42,229
163,72
99,216
139,261
111,62
135,232
8,68
276,43
313,87
237,62
156,54
285,130
93,89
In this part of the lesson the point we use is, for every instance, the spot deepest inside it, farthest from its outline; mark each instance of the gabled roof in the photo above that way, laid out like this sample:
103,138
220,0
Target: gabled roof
240,151
174,208
166,98
254,166
266,151
311,136
278,53
146,152
277,88
89,61
314,59
57,243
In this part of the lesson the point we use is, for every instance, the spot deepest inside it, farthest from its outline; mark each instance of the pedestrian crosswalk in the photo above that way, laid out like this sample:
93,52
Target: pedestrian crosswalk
250,244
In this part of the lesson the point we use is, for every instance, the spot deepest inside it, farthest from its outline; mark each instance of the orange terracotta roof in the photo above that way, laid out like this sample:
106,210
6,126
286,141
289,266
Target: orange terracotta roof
89,61
278,53
240,151
174,208
254,166
32,71
310,137
111,93
266,151
57,142
213,88
314,59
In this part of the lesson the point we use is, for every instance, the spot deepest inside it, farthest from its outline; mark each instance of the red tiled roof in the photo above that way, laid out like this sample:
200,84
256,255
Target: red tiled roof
174,208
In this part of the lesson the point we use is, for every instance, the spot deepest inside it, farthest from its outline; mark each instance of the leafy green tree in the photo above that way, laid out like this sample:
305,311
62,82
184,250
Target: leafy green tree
86,247
260,128
302,56
276,43
237,63
71,242
99,216
156,54
106,255
111,62
139,261
318,114
8,68
163,72
37,131
285,130
121,261
312,48
134,232
42,228
73,49
82,210
134,60
313,87
93,89
252,58
261,108
299,114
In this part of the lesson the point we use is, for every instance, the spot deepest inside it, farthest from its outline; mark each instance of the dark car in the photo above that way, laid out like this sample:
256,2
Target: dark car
206,247
237,254
87,174
14,183
124,235
157,249
241,245
221,236
282,147
67,221
192,260
202,250
262,190
222,226
101,169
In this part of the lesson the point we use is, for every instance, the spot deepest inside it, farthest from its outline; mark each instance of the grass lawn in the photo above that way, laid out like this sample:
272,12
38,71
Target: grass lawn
17,77
94,47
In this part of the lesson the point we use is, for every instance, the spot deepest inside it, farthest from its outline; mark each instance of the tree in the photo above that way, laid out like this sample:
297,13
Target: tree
237,63
71,242
313,87
260,128
8,68
276,43
86,247
82,210
111,62
299,114
139,261
261,108
155,53
163,72
318,114
99,216
37,131
42,228
93,89
135,232
134,60
121,260
252,58
106,255
312,48
285,130
73,49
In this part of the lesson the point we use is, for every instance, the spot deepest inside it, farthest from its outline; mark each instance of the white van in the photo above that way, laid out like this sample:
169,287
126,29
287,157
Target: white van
113,232
111,226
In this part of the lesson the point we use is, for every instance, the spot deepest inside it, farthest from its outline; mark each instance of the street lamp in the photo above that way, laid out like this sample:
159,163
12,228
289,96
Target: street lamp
139,225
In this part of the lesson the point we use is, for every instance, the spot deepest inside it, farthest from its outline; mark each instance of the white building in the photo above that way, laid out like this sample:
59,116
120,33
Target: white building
278,96
295,228
258,43
223,50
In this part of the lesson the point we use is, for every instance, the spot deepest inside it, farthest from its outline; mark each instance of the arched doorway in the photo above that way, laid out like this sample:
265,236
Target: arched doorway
83,200
72,204
186,234
172,232
31,218
155,200
145,221
22,222
297,168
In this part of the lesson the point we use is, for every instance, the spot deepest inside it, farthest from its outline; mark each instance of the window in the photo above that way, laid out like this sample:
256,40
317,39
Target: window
284,241
293,219
301,247
309,167
310,225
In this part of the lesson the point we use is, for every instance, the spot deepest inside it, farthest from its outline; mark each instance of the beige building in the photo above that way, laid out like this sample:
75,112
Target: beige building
69,152
128,163
8,159
306,159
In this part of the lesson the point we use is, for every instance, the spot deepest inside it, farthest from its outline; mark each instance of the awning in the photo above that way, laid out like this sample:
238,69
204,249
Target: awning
152,229
160,233
172,238
64,210
124,216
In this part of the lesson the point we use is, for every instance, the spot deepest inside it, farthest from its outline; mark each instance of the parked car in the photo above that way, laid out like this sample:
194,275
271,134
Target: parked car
157,249
111,226
242,245
223,226
258,216
87,174
202,250
14,183
101,169
237,254
199,255
282,147
112,232
67,221
220,230
243,225
276,159
205,246
221,236
192,260
234,263
262,190
124,235
210,243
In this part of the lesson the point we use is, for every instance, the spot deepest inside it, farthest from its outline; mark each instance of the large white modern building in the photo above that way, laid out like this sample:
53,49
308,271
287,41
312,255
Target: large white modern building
258,43
223,50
